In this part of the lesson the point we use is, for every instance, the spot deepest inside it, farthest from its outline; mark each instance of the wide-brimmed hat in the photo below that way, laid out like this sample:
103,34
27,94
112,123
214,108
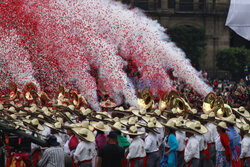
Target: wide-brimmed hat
85,112
10,110
118,126
57,127
157,114
100,126
33,124
46,112
222,125
129,121
180,122
107,104
171,124
173,111
150,126
148,119
120,110
242,112
243,127
196,126
132,130
230,119
140,113
100,117
207,117
104,114
193,111
84,134
66,116
52,141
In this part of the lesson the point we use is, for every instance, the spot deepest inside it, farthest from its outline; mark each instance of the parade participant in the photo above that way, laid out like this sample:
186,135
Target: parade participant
85,150
205,159
245,144
111,154
171,154
71,144
46,130
100,138
136,150
122,141
234,139
53,156
55,130
223,151
151,146
192,150
180,137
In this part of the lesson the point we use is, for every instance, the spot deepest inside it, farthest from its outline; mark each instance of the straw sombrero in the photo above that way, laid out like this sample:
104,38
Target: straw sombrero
242,112
173,111
171,123
100,117
66,116
120,110
103,114
222,125
196,126
107,104
100,126
57,127
180,122
230,119
132,131
84,134
140,113
148,119
33,124
129,122
157,114
150,126
85,112
118,126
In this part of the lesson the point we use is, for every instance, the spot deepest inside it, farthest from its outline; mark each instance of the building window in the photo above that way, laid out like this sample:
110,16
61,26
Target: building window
171,4
143,4
186,5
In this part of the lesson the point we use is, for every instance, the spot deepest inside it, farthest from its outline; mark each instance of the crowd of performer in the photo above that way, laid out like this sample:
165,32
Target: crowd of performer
168,133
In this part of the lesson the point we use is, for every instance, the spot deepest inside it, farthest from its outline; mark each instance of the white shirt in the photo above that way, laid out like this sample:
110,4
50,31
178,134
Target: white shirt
84,151
218,144
160,136
66,146
136,148
45,132
202,145
180,137
59,139
245,146
151,142
210,136
191,150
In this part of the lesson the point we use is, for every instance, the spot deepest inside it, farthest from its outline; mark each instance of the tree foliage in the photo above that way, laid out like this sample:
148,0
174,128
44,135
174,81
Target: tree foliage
191,40
233,60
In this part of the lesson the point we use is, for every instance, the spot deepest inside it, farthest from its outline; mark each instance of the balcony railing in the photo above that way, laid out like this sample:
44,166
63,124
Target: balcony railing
201,8
185,7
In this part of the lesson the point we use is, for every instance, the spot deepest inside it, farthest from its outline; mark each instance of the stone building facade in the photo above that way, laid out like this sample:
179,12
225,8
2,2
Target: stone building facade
210,14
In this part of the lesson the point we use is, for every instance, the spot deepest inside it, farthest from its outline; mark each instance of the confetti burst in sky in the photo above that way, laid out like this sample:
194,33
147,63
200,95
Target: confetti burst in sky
60,41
